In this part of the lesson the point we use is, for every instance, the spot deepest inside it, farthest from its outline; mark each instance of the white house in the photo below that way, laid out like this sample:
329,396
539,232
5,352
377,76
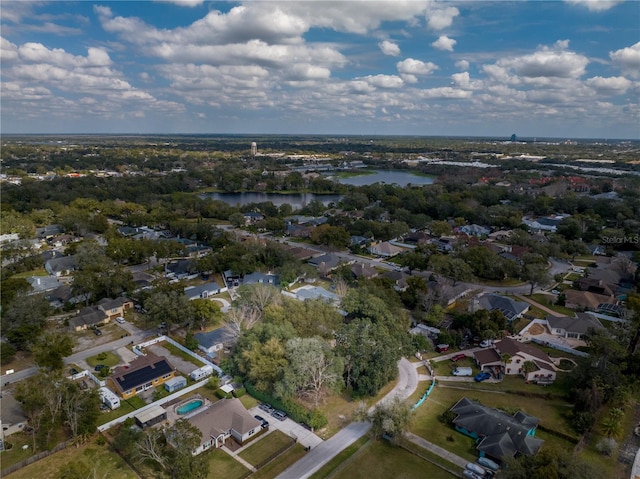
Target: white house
573,327
519,353
203,291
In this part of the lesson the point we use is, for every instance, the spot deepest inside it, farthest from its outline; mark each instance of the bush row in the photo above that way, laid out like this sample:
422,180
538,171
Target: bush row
315,419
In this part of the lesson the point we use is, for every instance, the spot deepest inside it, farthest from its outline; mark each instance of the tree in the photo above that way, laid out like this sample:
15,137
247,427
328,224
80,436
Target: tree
313,369
258,296
242,318
392,417
50,349
206,312
528,367
329,235
264,363
536,275
171,307
550,463
24,319
505,358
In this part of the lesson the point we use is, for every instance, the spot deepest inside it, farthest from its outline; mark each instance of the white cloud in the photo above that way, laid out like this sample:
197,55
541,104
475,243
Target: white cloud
610,85
8,51
183,3
462,65
595,5
383,81
439,18
389,48
411,66
547,63
444,43
628,59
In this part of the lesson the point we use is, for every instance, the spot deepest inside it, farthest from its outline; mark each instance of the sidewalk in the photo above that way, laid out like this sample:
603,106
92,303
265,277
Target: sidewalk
239,459
443,453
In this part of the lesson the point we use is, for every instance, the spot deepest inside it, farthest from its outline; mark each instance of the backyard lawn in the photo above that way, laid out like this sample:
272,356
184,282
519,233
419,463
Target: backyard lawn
222,464
92,459
265,447
382,461
546,300
126,406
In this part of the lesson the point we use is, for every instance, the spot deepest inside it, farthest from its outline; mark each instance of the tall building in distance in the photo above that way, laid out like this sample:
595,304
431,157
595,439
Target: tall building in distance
254,148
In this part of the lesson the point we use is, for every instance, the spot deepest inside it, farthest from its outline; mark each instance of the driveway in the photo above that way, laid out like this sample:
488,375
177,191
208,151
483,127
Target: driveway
185,367
289,427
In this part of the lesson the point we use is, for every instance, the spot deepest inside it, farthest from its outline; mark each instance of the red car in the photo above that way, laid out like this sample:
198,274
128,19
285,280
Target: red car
442,348
458,357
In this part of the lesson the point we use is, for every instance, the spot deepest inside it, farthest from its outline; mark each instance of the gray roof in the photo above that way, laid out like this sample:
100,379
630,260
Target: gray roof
64,263
330,261
316,292
217,336
196,292
108,303
44,283
223,416
579,324
89,316
507,306
257,277
502,435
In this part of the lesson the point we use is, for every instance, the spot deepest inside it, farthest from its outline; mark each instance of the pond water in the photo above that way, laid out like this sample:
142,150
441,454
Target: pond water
190,406
296,200
390,177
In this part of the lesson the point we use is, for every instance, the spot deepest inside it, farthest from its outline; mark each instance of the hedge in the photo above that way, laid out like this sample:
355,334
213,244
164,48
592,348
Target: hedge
315,419
223,395
239,392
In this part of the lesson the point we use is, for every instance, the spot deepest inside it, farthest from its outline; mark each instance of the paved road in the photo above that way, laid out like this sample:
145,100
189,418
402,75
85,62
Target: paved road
323,453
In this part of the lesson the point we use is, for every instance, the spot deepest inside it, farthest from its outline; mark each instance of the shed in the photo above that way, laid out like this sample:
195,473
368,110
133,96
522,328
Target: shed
151,416
175,383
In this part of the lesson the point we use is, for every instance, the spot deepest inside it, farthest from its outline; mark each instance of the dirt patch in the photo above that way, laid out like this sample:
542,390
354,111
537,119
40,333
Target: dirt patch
537,329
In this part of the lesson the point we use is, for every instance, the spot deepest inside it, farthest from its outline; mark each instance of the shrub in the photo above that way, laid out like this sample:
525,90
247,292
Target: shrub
239,392
102,356
447,417
223,395
100,440
606,446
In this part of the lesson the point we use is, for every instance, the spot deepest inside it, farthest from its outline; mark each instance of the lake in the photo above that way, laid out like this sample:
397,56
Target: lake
390,177
296,200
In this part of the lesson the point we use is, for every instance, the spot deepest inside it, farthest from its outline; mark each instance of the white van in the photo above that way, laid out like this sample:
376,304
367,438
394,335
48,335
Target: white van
463,371
120,320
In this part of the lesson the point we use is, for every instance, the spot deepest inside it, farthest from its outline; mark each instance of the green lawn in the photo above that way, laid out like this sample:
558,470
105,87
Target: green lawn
546,300
265,447
111,359
446,367
33,272
248,401
343,456
222,464
514,383
126,406
181,354
274,468
383,461
94,460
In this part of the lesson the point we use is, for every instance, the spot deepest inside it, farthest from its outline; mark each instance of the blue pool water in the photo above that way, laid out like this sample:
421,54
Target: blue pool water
190,406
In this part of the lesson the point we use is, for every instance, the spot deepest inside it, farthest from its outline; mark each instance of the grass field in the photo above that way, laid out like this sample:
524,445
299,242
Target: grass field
265,447
111,359
222,464
274,468
343,456
90,459
546,300
446,367
383,461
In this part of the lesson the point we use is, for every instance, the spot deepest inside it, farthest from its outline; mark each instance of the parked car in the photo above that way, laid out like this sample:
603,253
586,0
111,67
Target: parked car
470,474
266,407
475,468
486,343
555,291
462,372
486,462
482,377
121,320
279,415
265,423
100,367
97,332
458,357
441,348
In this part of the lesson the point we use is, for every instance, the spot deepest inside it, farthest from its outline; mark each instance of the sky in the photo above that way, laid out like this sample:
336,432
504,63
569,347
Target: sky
561,69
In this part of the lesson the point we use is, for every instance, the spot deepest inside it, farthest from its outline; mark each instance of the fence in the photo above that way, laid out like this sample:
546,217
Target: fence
429,391
559,347
35,458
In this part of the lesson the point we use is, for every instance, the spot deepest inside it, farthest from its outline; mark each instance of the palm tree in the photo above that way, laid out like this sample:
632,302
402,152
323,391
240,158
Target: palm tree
528,367
505,358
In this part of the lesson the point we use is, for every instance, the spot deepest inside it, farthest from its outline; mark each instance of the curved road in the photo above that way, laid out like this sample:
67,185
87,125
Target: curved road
323,453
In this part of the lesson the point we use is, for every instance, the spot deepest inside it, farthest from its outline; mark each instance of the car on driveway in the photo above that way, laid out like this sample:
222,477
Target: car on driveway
470,474
482,377
120,320
265,423
279,415
97,332
487,343
266,407
458,357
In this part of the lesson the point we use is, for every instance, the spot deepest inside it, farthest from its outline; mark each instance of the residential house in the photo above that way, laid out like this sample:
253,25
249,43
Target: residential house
261,278
216,340
384,249
203,291
474,230
444,244
326,262
252,217
492,360
43,284
62,266
418,237
510,308
586,300
299,231
547,224
398,278
64,295
224,419
115,307
48,231
306,292
355,240
181,269
575,327
12,417
595,285
363,271
498,435
88,317
500,235
141,374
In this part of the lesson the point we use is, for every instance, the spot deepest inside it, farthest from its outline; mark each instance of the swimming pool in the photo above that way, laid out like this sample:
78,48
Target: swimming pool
190,406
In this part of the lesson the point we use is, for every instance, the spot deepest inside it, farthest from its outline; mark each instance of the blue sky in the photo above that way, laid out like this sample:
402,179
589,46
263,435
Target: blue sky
567,69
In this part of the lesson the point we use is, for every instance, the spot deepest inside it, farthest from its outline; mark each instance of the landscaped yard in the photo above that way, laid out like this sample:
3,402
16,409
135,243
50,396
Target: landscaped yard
222,464
265,447
382,461
274,468
126,406
446,367
343,456
94,460
548,301
107,358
